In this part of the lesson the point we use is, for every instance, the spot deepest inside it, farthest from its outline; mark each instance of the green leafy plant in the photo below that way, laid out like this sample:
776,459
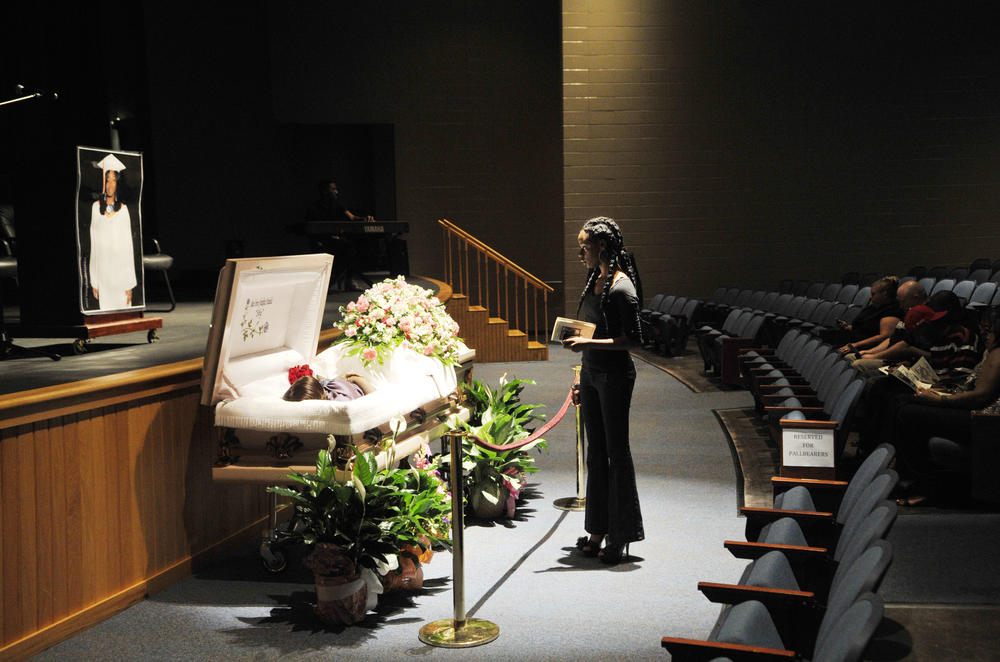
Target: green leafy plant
374,515
498,417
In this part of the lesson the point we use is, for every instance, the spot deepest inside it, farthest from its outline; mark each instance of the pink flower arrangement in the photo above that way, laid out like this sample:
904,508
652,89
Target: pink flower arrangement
393,314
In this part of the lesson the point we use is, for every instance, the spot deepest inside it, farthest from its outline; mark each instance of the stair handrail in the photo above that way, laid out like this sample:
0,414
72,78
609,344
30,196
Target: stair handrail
497,255
489,259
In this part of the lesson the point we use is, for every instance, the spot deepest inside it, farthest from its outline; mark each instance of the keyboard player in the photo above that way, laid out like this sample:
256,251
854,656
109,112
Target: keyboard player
345,250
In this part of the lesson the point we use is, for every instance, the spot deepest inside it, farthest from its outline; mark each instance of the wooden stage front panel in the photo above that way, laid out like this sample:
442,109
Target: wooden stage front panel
106,495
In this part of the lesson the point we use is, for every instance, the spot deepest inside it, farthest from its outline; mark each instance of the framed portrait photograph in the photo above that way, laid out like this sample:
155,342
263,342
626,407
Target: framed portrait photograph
109,230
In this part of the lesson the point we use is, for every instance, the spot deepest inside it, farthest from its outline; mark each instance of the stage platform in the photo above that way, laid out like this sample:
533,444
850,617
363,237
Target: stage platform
182,338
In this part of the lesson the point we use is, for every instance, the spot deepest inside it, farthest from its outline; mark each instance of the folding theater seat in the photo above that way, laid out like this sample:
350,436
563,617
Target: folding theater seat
825,379
979,263
830,495
706,334
835,417
963,290
927,282
661,317
817,528
654,304
958,273
847,293
945,284
835,312
863,296
982,295
674,338
815,566
771,581
767,303
789,629
830,292
814,290
980,275
799,353
724,351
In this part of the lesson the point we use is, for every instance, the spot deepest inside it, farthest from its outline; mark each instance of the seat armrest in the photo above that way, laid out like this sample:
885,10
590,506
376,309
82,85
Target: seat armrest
732,594
795,553
694,650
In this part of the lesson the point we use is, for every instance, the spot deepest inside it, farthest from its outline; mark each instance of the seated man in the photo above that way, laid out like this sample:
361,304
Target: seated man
894,348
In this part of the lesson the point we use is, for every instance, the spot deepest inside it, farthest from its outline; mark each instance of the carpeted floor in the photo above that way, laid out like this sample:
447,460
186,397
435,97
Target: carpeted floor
552,604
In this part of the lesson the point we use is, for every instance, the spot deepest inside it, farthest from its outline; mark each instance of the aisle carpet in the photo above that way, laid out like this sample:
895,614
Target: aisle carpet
550,603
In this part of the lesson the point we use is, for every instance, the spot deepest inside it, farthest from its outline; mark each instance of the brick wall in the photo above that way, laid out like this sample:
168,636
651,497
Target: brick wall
745,142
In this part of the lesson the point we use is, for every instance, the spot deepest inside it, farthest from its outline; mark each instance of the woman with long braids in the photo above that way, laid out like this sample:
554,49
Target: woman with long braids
611,301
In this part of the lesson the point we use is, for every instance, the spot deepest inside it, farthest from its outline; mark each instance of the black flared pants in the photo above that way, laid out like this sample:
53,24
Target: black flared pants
612,496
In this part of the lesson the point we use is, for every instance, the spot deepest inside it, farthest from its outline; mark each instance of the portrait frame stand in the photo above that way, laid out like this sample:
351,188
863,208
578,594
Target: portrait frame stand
578,502
460,631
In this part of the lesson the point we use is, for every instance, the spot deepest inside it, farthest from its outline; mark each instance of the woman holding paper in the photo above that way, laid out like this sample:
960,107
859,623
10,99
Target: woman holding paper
934,413
610,300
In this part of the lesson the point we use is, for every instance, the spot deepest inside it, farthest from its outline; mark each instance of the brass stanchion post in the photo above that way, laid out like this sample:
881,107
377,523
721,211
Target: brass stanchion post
458,632
579,502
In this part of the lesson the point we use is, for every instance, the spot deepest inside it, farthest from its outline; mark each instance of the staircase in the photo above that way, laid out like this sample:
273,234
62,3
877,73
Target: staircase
501,309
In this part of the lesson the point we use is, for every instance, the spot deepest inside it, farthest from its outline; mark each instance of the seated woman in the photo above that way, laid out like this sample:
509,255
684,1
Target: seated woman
934,413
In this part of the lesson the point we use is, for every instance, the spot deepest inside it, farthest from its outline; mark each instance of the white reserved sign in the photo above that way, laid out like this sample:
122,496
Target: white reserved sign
807,448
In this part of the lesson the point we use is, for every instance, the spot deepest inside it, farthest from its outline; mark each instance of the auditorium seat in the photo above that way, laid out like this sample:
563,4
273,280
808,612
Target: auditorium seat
980,263
963,290
870,277
943,285
863,296
832,495
982,295
958,273
847,292
814,567
980,275
820,528
939,272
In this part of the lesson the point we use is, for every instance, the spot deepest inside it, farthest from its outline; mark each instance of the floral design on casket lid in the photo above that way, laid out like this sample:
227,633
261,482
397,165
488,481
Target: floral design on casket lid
393,314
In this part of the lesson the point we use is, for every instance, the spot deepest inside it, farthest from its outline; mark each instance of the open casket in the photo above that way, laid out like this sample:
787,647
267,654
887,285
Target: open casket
267,318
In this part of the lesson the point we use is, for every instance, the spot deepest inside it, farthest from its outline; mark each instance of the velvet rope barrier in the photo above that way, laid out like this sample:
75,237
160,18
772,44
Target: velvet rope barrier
534,435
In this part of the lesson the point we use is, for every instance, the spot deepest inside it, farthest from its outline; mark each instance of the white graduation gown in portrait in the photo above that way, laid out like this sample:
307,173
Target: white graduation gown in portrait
112,261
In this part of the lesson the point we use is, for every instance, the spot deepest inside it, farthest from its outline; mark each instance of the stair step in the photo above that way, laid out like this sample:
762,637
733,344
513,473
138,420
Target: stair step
514,333
497,320
476,309
536,345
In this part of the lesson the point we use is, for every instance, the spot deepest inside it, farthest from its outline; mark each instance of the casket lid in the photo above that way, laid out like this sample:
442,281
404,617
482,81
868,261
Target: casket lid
264,307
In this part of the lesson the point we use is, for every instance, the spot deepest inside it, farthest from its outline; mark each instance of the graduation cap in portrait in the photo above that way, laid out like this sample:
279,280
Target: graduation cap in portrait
109,162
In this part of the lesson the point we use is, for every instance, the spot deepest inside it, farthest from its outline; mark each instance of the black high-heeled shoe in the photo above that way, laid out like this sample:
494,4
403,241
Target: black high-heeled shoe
587,546
613,553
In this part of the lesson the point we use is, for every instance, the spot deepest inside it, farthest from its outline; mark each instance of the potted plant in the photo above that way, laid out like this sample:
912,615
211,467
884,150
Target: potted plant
358,529
494,479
